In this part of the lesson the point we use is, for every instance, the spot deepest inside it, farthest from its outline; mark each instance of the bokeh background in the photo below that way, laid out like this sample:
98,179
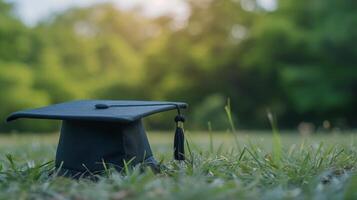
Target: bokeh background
295,58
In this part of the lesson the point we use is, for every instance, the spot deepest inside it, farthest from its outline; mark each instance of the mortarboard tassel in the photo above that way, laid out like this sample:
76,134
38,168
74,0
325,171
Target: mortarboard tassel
179,140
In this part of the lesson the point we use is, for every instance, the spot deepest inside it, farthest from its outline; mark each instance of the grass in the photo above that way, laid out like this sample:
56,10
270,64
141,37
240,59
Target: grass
218,167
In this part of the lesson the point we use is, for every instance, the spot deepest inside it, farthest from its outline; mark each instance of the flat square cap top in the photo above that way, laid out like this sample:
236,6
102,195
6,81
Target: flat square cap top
99,110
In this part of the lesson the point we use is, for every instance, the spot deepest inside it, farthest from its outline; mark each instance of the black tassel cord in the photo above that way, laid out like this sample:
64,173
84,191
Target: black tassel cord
179,140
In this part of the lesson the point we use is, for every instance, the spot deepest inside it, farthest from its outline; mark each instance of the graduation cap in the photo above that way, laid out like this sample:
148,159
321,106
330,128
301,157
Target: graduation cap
97,133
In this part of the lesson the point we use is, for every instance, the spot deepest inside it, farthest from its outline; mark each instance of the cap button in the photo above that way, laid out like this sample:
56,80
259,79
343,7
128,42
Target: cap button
101,106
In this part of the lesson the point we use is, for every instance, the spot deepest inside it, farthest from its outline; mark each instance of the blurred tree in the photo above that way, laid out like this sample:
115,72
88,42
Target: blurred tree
204,58
16,81
315,58
15,43
298,60
93,46
16,76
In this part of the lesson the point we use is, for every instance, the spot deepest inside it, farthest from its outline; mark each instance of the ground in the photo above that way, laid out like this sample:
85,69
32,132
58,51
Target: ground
250,165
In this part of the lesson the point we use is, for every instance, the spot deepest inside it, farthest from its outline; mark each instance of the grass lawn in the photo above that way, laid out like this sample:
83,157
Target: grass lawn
251,165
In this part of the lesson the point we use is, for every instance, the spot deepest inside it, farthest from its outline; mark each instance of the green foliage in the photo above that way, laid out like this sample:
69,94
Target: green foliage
298,60
17,92
15,40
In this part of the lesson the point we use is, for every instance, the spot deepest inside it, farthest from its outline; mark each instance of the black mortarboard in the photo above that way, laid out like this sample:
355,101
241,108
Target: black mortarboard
97,133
